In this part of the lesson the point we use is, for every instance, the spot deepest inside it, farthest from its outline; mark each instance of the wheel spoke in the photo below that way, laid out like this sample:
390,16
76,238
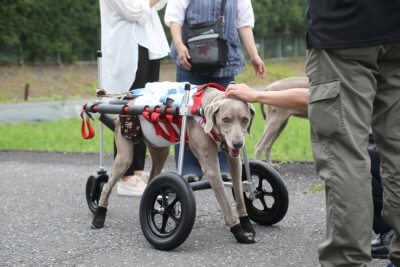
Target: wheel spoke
164,198
264,204
164,223
172,204
154,212
176,220
270,194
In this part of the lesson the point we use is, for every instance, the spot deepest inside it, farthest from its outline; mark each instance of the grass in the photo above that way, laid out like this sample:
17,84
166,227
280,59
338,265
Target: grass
52,82
64,135
315,188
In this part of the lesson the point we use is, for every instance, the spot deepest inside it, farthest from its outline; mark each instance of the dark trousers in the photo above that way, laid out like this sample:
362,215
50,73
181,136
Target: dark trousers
379,224
190,163
147,71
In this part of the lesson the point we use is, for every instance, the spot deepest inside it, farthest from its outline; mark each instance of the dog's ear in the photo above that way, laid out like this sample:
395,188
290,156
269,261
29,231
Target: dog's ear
252,113
209,113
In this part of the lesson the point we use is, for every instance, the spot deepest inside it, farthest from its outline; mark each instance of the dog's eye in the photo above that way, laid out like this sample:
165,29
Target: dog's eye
226,119
245,120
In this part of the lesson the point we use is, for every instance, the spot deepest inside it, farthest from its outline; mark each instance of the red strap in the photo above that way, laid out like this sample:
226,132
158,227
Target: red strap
215,136
157,127
90,135
173,136
215,85
200,92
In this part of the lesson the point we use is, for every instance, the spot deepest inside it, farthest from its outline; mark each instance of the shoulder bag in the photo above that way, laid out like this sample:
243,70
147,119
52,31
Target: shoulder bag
206,43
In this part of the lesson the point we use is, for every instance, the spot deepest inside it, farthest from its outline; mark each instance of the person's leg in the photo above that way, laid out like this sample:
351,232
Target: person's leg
190,163
386,130
379,245
342,91
134,185
379,225
142,74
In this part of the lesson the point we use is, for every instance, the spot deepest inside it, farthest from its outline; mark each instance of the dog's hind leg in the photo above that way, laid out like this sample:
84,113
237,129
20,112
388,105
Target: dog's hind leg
274,125
158,157
121,163
236,173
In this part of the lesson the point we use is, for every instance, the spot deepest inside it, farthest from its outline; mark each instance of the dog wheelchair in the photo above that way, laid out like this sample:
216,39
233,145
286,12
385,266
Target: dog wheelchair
167,207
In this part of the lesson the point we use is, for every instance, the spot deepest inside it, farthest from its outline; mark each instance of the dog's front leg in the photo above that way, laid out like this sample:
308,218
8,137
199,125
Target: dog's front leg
205,149
121,163
236,173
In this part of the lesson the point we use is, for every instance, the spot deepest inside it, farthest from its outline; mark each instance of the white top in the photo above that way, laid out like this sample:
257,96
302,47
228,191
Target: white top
175,12
125,24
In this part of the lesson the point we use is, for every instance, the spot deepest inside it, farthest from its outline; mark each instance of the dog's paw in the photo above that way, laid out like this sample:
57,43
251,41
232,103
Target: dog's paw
99,218
242,236
246,225
276,166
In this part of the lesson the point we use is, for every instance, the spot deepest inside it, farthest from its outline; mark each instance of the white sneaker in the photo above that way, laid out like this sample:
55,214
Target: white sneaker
134,186
144,176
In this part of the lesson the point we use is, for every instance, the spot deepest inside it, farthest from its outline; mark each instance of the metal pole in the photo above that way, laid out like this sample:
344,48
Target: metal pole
183,111
101,134
246,163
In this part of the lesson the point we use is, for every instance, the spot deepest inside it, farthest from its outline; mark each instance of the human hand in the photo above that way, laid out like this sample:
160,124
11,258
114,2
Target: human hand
258,65
184,56
242,91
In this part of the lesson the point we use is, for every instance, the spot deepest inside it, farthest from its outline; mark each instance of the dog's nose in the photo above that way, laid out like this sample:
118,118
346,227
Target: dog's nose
237,144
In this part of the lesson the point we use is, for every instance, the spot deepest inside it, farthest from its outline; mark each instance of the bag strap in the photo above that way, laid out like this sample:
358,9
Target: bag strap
221,12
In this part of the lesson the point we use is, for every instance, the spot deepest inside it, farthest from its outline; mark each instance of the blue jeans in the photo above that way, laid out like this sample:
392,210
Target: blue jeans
190,163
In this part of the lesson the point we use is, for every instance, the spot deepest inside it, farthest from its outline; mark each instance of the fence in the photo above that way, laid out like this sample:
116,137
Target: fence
275,47
281,46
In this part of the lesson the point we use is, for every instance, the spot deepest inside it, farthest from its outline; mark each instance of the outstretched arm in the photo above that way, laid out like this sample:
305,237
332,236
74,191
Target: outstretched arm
295,98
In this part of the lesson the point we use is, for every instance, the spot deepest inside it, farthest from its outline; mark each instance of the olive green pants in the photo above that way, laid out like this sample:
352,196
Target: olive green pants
351,90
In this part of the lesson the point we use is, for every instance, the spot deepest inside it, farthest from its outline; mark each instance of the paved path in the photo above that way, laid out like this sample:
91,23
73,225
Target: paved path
44,220
40,111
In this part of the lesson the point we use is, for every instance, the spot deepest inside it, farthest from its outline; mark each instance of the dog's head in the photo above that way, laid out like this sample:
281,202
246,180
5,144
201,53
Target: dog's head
231,118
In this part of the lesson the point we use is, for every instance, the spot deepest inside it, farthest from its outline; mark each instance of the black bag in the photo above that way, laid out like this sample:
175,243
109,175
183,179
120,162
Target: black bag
206,43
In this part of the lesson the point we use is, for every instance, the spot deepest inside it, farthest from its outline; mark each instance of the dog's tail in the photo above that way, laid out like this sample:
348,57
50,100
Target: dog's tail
284,84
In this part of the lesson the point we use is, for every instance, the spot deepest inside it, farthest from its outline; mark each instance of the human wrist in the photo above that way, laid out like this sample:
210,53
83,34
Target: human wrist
255,96
179,44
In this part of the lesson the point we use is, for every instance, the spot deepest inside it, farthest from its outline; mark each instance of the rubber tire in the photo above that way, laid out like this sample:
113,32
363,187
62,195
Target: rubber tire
93,200
188,211
281,196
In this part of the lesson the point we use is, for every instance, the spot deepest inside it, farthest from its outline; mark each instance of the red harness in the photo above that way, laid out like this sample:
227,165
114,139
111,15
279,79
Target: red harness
155,118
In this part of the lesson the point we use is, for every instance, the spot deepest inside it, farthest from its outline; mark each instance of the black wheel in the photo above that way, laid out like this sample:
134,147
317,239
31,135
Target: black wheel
94,186
167,211
271,198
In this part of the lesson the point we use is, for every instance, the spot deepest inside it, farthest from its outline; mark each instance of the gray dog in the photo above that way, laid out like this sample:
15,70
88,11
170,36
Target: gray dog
230,119
276,118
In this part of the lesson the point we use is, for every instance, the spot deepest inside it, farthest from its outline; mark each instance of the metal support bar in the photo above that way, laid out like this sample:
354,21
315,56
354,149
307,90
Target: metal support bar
101,134
183,112
248,185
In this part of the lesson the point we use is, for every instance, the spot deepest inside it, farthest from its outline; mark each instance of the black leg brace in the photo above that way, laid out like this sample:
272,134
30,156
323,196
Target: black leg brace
242,236
99,218
246,225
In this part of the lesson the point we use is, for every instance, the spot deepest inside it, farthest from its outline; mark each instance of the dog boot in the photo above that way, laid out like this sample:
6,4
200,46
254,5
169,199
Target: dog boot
99,218
242,236
246,225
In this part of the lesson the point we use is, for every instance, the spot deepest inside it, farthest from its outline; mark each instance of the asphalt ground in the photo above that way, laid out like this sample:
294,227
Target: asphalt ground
45,221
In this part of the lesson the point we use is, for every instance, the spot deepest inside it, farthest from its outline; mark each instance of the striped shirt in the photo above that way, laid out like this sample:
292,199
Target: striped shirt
238,13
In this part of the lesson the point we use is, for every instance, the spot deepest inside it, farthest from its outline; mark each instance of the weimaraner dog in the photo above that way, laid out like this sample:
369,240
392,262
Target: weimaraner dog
276,118
231,119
